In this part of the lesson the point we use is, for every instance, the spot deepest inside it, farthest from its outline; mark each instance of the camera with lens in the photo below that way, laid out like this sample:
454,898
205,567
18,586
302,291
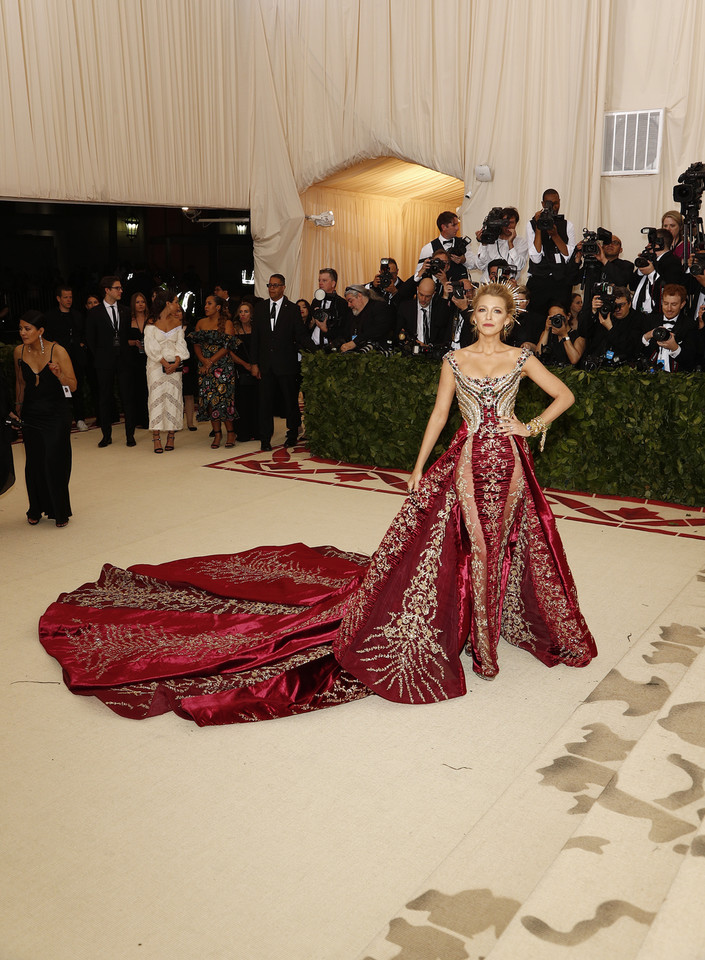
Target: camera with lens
318,313
697,267
458,291
506,272
385,276
605,291
460,245
434,266
557,320
655,246
690,185
592,240
492,226
546,220
661,334
601,360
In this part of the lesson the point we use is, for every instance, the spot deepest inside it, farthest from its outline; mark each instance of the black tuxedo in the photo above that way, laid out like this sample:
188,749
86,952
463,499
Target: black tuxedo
438,320
110,355
276,353
685,333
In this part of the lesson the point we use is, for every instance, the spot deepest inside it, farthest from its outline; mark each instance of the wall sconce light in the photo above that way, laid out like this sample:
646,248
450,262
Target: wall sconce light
322,219
241,229
131,225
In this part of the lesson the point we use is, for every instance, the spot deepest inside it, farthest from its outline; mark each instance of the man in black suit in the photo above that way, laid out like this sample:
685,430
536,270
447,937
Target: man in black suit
425,320
655,266
670,340
278,334
66,326
107,330
330,312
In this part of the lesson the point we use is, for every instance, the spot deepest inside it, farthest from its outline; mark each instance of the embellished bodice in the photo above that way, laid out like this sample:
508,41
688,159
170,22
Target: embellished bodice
482,400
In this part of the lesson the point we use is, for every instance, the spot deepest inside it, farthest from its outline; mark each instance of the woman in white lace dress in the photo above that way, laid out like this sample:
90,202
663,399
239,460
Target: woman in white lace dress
166,349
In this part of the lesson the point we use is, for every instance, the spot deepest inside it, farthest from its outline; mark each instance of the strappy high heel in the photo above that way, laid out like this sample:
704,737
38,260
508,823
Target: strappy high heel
217,434
169,440
231,439
157,441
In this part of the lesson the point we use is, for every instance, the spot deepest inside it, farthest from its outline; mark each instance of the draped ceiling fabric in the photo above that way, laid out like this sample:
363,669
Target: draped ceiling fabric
249,103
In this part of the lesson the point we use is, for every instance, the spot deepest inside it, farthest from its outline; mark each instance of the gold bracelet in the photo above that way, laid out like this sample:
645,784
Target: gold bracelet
538,426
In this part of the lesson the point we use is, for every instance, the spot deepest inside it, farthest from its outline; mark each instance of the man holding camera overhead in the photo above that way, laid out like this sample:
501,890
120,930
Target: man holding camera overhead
551,240
499,241
461,260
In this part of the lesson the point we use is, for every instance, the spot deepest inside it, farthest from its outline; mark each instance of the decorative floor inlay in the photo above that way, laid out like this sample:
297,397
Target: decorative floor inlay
629,513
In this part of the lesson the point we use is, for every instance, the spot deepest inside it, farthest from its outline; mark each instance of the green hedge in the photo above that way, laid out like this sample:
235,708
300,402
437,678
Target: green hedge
628,433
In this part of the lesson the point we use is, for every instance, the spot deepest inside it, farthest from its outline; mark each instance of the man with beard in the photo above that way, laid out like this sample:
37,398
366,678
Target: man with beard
372,319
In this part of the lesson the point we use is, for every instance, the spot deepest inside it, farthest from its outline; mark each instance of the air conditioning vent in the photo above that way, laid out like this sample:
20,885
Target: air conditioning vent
632,143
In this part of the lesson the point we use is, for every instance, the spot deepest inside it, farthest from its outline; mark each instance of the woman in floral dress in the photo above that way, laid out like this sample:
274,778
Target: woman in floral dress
213,339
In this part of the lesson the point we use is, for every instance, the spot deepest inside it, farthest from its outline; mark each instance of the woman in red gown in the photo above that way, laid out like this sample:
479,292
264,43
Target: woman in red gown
473,555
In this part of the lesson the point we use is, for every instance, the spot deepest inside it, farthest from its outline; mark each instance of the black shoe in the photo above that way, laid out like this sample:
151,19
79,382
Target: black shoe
105,442
290,440
265,446
193,429
130,442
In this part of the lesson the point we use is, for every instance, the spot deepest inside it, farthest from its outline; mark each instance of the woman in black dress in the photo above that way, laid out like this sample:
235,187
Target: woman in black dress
137,359
44,381
247,386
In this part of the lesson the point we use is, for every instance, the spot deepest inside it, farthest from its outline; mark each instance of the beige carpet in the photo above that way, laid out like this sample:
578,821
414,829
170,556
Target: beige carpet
548,813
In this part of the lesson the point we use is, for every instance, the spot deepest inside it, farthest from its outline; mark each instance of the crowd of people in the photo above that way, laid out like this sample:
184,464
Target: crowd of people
235,367
580,302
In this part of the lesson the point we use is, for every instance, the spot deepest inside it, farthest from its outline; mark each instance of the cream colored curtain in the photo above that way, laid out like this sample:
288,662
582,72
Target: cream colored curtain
382,208
247,103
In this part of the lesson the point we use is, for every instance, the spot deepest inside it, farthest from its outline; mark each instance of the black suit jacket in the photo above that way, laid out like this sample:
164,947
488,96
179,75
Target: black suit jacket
439,320
373,324
685,333
100,336
276,351
339,321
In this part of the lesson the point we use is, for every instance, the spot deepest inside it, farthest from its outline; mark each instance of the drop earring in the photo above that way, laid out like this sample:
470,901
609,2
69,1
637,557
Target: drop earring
41,343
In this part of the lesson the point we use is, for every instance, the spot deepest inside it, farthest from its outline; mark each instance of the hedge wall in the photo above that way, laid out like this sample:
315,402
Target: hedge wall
628,433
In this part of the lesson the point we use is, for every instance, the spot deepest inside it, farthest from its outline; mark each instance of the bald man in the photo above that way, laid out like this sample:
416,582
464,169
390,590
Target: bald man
425,319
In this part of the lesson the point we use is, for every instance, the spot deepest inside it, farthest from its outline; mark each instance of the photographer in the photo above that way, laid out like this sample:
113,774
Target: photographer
372,323
608,265
655,267
558,345
330,313
424,321
501,243
439,267
387,282
461,332
529,324
671,343
551,241
461,260
616,331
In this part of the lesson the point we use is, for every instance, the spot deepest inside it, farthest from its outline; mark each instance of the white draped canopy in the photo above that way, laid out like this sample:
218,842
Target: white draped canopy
271,105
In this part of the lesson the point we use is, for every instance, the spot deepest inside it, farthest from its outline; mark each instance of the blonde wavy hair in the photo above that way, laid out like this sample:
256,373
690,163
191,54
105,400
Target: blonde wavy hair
502,292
